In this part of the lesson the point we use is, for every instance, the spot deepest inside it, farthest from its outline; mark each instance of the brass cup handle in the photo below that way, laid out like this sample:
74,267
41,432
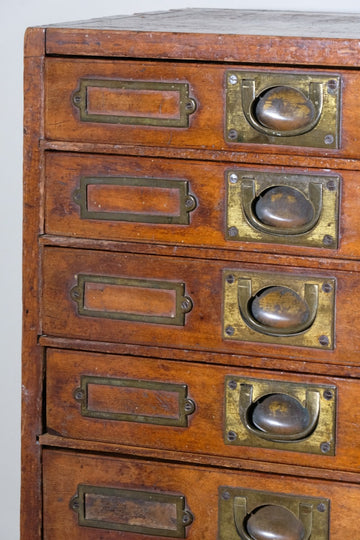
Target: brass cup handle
275,96
298,313
310,207
270,520
303,424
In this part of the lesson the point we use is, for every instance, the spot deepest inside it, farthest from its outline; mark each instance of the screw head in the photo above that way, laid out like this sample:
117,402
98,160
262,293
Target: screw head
321,507
229,330
186,305
232,134
327,287
233,178
329,139
325,447
324,341
232,385
328,240
190,202
79,394
230,279
332,86
233,79
231,436
328,395
232,232
331,185
226,495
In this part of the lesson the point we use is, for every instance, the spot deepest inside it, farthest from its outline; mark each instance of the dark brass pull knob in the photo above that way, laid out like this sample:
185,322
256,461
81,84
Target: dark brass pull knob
280,210
272,522
279,417
282,110
277,311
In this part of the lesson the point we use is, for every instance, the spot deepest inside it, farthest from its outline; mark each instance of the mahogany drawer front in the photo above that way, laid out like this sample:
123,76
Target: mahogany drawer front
86,495
201,204
189,303
183,105
184,406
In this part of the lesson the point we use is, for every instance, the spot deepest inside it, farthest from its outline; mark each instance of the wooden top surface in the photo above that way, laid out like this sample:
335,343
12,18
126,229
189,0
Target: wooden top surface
232,21
221,35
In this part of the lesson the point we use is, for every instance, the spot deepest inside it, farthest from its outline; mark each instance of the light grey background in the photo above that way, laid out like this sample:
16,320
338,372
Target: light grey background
15,16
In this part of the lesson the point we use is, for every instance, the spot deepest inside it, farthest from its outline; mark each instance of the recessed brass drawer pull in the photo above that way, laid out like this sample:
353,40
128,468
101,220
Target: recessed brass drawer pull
144,103
278,308
279,414
132,511
282,208
278,311
283,108
260,515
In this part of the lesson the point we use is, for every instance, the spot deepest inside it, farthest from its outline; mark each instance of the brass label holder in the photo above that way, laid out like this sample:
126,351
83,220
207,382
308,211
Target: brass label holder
134,511
322,193
187,105
237,505
183,304
243,394
187,202
242,286
244,89
179,418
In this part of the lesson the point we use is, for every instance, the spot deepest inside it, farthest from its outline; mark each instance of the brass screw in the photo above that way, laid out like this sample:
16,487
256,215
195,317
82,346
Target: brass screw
233,134
231,436
230,330
324,341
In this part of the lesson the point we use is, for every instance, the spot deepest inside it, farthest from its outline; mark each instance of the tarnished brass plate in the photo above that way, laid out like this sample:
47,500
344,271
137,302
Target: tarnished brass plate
112,91
133,511
173,405
236,505
246,188
243,395
246,117
241,287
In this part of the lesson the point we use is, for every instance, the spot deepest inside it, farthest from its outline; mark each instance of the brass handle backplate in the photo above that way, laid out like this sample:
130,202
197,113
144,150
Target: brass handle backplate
282,208
251,515
279,414
278,308
283,108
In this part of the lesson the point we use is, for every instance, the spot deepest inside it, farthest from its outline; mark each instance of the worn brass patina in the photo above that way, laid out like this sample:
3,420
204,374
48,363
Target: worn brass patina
133,511
283,108
295,310
258,515
179,418
282,208
187,202
182,303
187,105
278,414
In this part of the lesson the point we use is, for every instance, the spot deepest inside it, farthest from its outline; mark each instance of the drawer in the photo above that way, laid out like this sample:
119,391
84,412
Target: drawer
208,409
169,104
88,496
191,303
204,204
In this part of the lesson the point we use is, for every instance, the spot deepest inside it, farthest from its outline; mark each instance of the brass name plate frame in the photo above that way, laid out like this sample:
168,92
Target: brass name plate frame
320,333
243,393
187,105
243,89
185,405
144,499
183,304
187,202
236,504
245,184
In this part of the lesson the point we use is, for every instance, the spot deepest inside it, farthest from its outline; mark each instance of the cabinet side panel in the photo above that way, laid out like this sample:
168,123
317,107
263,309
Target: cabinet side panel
32,353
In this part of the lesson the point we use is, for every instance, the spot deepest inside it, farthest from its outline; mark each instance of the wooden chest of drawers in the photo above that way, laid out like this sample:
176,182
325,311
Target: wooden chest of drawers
191,277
